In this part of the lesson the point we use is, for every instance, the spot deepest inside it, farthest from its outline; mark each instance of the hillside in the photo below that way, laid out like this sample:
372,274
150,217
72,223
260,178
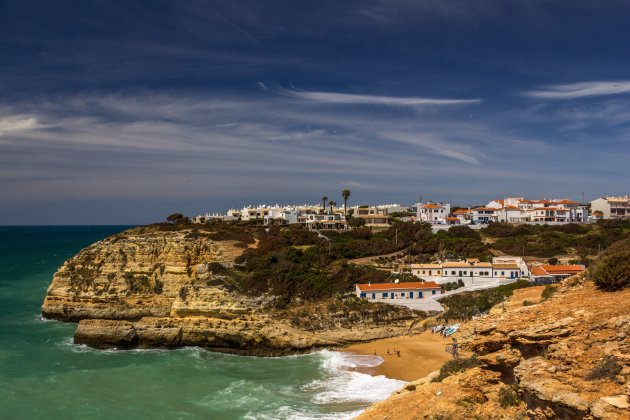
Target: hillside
566,357
171,286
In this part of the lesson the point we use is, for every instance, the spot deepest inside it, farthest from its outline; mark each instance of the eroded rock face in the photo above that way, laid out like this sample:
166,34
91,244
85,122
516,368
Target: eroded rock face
549,351
151,288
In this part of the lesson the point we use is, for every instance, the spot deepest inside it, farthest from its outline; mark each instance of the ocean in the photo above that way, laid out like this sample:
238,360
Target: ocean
44,375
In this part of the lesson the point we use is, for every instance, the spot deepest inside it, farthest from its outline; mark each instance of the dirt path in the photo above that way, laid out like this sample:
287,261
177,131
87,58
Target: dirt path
368,260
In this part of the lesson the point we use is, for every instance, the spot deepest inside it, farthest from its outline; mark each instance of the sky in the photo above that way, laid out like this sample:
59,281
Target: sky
122,112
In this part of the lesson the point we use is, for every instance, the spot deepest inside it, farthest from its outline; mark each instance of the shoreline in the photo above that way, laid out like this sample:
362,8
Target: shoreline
420,354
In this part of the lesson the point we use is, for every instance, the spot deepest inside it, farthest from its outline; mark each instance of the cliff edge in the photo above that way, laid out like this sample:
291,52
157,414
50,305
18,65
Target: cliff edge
166,287
566,357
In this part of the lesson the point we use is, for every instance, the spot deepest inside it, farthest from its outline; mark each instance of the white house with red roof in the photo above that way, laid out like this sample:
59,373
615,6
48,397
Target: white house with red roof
392,292
553,273
435,213
520,210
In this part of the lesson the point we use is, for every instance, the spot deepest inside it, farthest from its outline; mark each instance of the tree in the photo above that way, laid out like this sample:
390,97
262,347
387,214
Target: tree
332,204
356,222
345,194
324,199
177,218
612,272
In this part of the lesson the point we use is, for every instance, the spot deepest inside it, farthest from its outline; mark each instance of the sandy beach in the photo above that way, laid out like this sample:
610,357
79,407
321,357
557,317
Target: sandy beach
420,355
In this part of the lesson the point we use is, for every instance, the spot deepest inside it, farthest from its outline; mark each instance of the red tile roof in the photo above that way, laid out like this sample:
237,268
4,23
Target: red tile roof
563,269
409,285
539,272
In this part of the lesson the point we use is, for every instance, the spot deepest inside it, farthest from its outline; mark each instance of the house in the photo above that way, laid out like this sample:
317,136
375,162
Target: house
483,215
520,210
281,216
373,216
391,292
543,274
464,215
472,271
333,221
433,212
612,207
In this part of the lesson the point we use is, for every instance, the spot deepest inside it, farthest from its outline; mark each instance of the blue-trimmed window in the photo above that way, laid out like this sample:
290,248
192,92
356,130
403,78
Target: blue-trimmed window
384,295
363,295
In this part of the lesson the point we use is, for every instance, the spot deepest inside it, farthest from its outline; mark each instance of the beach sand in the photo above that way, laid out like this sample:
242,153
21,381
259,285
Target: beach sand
420,355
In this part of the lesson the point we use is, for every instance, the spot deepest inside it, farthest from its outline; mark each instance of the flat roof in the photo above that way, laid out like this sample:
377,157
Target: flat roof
398,286
505,266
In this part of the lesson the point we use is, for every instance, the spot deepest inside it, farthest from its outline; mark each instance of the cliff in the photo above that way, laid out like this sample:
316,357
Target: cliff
164,287
566,357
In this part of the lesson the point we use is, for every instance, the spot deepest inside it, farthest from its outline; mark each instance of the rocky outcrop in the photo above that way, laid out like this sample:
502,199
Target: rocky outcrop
151,287
567,357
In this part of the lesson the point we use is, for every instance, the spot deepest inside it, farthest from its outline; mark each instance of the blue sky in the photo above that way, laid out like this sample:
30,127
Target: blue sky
126,111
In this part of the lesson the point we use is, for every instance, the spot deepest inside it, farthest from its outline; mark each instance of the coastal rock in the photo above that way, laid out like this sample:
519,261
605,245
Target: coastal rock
165,287
545,362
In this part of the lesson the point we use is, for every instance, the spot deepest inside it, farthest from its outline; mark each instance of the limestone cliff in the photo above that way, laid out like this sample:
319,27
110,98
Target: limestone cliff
156,287
567,357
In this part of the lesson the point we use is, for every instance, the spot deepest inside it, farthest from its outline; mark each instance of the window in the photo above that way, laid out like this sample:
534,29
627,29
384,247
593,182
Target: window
419,294
433,292
503,273
384,295
362,295
410,295
452,273
402,294
373,295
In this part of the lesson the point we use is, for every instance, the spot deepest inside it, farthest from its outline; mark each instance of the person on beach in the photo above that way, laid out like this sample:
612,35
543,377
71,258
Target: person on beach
455,348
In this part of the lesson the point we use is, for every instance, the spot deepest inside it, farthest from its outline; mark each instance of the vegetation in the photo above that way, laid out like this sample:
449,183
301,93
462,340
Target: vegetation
547,241
548,291
612,272
509,396
465,305
608,368
345,194
457,365
452,285
177,219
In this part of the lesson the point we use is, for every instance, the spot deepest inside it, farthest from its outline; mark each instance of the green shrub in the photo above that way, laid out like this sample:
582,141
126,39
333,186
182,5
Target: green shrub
509,396
548,291
612,272
456,366
608,368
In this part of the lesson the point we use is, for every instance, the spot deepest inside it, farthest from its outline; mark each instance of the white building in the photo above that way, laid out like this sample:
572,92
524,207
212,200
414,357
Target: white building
433,212
334,221
391,292
373,216
472,271
612,207
520,210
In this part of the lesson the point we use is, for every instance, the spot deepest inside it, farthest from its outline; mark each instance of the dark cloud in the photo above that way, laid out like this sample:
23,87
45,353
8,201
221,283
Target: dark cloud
116,104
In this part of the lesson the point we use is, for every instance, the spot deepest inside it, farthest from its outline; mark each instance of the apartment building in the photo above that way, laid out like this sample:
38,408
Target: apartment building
612,207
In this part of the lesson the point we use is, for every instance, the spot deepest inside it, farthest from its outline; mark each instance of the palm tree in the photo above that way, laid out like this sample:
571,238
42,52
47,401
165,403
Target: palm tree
345,194
332,204
324,199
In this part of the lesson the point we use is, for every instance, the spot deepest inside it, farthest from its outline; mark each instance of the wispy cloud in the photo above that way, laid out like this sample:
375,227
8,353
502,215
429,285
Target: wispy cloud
580,90
348,98
14,124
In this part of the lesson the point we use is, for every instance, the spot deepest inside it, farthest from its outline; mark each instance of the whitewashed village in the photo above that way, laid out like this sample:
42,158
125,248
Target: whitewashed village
425,287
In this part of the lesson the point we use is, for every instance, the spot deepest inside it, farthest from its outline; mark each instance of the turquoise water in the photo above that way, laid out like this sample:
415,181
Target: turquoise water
44,375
